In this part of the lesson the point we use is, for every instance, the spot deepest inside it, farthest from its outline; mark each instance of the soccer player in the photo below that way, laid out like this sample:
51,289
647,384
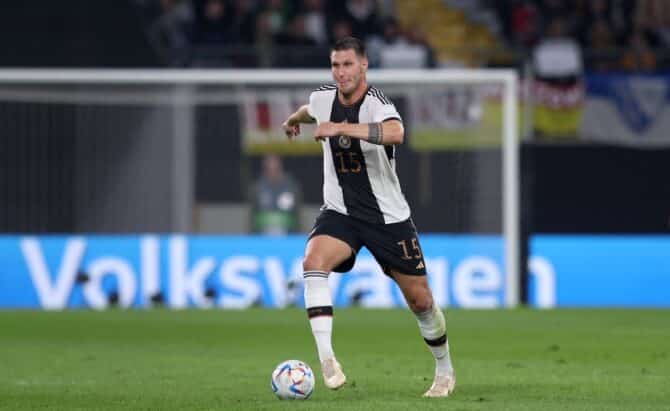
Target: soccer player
358,128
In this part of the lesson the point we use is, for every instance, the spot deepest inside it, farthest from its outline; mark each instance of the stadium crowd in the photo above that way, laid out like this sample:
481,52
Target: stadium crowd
249,33
627,35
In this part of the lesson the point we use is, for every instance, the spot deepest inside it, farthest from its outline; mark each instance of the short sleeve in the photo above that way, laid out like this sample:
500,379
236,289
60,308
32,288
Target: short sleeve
383,111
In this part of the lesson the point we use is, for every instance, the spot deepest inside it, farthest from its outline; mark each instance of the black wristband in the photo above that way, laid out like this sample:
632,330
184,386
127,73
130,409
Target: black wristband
375,133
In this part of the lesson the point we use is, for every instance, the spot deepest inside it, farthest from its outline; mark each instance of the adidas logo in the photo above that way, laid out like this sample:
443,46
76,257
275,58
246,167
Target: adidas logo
420,265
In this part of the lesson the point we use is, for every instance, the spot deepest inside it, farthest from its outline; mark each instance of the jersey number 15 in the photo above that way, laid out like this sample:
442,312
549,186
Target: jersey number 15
347,162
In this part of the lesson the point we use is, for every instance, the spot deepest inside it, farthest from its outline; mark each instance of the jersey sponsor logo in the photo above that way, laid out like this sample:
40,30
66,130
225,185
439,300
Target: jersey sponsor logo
344,142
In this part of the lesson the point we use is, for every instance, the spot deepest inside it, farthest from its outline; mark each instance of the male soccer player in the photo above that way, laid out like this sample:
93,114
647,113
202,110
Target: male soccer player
363,206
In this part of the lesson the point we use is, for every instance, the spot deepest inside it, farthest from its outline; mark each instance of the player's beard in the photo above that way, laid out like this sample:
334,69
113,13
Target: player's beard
347,94
355,84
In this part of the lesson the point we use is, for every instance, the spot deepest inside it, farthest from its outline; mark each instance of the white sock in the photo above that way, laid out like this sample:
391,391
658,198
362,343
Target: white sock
319,305
434,331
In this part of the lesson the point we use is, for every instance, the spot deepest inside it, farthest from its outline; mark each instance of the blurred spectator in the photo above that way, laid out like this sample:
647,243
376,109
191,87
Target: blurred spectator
386,8
295,34
274,13
244,21
363,17
298,47
264,40
557,54
638,56
653,18
315,20
621,18
556,8
558,86
270,22
395,49
170,32
603,47
551,9
404,55
525,23
391,35
275,200
598,10
590,12
341,29
417,37
215,24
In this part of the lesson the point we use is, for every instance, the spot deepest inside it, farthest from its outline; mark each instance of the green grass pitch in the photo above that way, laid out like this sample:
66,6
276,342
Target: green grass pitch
222,360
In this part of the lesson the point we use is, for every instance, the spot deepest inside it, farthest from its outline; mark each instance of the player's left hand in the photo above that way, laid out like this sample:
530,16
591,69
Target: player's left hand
326,129
291,128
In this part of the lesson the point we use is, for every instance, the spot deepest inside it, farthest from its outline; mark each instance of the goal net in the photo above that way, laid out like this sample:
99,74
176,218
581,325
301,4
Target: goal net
131,151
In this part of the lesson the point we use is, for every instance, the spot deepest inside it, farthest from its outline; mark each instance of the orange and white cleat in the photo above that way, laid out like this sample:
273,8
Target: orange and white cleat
443,385
333,376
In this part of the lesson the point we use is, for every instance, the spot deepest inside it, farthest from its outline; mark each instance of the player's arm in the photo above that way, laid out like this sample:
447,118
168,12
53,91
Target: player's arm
383,133
292,125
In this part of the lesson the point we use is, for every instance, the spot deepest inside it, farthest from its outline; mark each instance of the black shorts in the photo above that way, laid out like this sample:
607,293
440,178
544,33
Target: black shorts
394,246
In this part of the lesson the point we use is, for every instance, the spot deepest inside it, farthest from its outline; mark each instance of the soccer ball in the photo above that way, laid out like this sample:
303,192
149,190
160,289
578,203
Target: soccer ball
292,380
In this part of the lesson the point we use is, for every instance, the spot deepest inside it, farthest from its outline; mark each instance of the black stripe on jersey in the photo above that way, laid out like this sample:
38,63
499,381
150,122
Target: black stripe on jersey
326,87
351,169
389,151
375,92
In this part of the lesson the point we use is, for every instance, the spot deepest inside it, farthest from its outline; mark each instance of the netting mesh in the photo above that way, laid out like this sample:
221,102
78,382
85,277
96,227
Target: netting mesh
131,158
86,159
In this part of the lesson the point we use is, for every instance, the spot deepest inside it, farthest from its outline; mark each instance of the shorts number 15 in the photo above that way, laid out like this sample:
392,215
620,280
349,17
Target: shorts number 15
416,250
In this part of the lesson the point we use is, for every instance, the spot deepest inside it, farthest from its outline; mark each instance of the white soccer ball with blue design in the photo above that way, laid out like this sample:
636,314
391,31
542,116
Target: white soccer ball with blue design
293,380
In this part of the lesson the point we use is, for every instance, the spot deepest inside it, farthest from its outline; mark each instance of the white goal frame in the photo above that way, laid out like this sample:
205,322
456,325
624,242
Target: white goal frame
506,77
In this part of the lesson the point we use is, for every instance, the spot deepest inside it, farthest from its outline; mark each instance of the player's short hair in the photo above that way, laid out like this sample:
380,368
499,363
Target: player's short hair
350,43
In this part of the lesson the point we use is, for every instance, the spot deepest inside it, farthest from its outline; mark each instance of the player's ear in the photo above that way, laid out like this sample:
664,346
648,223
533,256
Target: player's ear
364,63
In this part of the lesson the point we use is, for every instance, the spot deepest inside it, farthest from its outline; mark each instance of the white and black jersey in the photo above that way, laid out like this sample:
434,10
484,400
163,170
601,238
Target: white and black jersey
359,178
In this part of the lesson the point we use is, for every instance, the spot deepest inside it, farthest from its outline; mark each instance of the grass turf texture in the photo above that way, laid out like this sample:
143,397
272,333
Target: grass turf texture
222,360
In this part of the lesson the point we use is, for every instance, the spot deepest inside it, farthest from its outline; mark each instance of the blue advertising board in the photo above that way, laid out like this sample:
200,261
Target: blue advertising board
226,272
601,271
59,272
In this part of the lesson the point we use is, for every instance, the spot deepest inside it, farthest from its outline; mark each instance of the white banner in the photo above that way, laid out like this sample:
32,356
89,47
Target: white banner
626,109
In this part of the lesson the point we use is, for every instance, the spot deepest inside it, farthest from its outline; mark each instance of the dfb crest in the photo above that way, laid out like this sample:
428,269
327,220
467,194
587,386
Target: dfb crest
344,142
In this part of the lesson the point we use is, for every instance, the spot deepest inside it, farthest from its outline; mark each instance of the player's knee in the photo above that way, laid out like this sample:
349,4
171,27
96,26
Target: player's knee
313,262
420,303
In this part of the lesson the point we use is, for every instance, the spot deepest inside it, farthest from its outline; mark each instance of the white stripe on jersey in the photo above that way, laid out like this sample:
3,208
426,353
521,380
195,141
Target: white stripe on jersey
385,183
333,199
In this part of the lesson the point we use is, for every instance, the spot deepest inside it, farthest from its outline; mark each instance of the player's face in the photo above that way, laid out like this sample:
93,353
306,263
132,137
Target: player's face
348,70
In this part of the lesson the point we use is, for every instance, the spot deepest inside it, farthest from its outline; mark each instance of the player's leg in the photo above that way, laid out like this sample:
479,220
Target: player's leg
433,329
396,248
323,254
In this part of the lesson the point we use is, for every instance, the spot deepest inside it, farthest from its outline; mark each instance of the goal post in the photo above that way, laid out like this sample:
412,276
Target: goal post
506,79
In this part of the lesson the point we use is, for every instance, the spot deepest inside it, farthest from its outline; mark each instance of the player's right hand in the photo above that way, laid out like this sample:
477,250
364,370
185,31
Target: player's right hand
291,129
